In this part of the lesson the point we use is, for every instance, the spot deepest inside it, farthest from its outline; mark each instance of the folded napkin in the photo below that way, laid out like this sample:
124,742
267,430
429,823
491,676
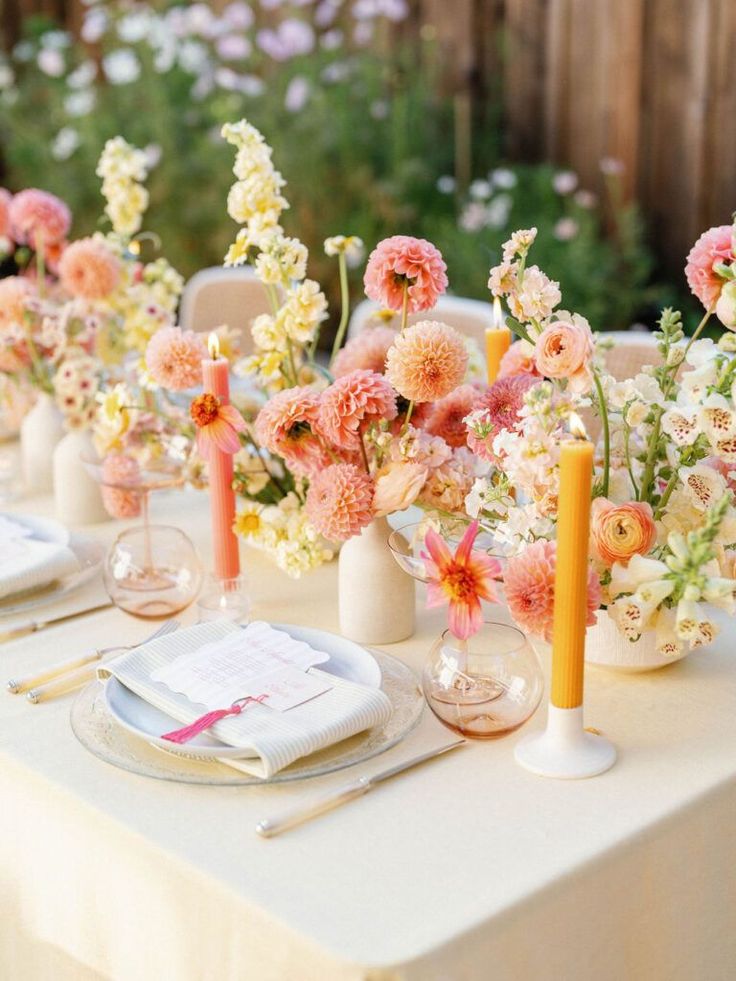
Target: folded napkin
270,739
28,563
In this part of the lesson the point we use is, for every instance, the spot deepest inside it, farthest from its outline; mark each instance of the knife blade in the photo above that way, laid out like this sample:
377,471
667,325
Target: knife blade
348,792
33,626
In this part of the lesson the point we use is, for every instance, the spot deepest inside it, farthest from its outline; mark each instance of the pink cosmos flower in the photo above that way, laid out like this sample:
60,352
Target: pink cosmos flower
427,361
565,349
286,426
713,246
38,217
529,587
446,418
462,580
120,474
518,360
401,260
368,350
5,198
340,501
217,425
89,270
351,403
174,358
500,407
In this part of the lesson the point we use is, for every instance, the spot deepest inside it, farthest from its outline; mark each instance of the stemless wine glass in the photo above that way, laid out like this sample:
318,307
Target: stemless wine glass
484,687
153,571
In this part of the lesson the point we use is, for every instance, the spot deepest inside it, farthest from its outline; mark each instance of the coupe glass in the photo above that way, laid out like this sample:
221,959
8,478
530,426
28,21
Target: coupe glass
152,572
484,687
407,544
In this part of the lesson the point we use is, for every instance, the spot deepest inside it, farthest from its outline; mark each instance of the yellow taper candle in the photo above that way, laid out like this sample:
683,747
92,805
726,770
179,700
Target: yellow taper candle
571,576
498,341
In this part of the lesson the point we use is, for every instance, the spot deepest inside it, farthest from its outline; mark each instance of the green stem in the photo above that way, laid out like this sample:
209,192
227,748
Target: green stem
405,306
344,305
40,265
292,362
671,484
606,434
405,427
629,466
696,333
648,476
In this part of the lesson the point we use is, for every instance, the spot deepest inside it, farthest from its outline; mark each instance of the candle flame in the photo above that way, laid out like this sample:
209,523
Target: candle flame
576,426
498,318
213,346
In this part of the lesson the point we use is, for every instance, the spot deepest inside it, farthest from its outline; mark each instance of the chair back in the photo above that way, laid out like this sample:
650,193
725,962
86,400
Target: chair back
218,296
470,317
631,351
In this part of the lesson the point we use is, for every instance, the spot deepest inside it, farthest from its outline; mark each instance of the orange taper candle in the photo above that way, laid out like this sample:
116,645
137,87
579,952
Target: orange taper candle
498,341
571,575
216,380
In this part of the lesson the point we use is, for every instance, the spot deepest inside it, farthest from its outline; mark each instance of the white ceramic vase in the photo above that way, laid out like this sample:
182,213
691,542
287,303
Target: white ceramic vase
376,598
40,431
607,647
77,494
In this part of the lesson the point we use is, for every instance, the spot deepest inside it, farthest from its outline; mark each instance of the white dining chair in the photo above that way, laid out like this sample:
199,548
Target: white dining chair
217,296
470,317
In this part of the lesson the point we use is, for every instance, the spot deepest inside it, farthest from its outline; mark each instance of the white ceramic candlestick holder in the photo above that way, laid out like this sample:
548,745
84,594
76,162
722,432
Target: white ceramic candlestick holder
565,750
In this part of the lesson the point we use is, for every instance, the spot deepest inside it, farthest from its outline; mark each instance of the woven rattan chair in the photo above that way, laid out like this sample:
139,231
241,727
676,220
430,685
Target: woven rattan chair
218,296
470,317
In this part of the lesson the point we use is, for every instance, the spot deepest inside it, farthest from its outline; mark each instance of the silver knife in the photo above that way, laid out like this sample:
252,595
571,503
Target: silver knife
351,791
32,626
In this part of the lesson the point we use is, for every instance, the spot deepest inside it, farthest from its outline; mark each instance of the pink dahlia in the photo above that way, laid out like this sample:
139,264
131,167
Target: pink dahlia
446,418
713,246
529,587
427,361
368,350
174,358
89,270
500,407
340,501
286,426
120,474
518,360
353,402
5,198
402,262
38,218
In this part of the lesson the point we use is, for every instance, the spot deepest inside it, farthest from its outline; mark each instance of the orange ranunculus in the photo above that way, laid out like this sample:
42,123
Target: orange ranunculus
619,531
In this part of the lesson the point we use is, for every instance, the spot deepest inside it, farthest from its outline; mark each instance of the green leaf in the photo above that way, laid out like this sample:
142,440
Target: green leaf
517,328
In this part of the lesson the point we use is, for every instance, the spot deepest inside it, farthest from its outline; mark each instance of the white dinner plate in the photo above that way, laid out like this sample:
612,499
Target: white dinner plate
88,551
347,660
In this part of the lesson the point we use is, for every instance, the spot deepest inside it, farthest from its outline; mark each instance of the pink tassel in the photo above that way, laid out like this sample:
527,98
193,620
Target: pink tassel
207,720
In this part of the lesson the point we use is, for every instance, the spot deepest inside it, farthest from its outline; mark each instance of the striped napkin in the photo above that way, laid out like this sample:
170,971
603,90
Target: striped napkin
270,740
28,563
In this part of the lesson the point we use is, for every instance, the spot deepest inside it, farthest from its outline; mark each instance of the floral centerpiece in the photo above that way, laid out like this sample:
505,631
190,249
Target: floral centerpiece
663,522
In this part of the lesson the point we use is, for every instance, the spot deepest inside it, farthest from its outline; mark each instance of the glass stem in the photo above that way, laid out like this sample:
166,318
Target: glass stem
147,552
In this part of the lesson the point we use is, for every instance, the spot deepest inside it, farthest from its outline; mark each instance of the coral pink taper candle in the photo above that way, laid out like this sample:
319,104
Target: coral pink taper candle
216,380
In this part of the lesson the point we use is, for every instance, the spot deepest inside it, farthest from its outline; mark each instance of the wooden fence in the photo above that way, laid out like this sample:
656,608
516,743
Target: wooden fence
646,82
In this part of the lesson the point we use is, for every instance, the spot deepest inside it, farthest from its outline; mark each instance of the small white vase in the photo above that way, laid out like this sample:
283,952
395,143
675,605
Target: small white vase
607,647
77,494
376,598
40,431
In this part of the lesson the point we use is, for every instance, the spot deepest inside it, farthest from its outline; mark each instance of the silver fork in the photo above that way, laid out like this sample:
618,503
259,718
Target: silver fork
70,675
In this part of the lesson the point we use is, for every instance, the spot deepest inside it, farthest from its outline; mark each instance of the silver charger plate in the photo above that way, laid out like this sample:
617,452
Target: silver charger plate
98,732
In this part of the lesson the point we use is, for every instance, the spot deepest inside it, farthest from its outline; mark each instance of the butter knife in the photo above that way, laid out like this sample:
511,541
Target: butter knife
348,792
33,626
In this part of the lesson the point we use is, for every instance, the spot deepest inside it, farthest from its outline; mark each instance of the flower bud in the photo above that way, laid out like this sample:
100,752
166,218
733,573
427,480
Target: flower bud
726,306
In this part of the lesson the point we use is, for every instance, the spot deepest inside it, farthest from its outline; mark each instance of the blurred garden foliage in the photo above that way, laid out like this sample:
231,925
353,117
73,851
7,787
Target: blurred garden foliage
361,127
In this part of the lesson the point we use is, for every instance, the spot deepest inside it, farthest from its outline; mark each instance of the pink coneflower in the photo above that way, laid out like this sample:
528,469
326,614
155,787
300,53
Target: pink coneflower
427,361
38,217
518,360
340,501
5,198
715,245
120,472
286,426
368,350
498,409
174,358
353,402
402,262
217,425
529,587
88,269
462,580
446,418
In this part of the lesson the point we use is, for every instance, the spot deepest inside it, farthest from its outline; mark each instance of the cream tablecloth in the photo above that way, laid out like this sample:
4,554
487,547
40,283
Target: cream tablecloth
470,868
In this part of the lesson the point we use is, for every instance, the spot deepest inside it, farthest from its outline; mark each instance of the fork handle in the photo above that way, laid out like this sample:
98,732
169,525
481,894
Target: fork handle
52,672
69,682
290,819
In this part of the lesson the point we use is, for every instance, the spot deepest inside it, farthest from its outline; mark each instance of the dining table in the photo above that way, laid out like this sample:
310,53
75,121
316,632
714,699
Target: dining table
467,868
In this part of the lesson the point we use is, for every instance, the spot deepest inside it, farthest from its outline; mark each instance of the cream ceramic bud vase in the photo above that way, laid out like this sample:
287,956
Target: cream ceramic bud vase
77,494
40,431
376,598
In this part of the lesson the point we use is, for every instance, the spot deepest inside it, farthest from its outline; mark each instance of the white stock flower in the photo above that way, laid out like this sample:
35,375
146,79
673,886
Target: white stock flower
537,297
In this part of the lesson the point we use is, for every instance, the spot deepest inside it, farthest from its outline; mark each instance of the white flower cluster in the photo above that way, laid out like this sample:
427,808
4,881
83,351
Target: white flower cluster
76,383
123,168
285,532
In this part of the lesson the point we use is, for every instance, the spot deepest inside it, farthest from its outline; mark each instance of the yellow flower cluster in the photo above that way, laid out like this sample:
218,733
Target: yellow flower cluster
285,532
123,169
